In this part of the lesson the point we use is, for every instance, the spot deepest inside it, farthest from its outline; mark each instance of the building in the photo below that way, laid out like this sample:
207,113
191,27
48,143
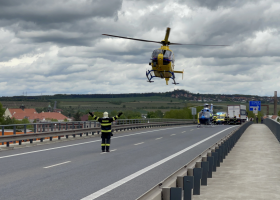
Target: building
31,115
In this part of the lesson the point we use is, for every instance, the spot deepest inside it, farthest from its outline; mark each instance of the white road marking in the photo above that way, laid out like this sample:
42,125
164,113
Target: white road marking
159,138
57,164
172,134
19,154
139,143
114,150
103,152
142,171
191,130
183,131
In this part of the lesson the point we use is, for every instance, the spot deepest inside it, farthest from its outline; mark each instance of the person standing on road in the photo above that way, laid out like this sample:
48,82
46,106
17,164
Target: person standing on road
257,120
234,120
106,132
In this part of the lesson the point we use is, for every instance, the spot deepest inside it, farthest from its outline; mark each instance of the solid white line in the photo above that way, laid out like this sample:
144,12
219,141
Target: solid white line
158,138
142,171
19,154
139,143
57,164
172,134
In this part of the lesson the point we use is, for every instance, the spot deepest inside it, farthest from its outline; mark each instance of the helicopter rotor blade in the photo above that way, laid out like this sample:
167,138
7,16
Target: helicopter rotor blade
131,38
215,45
167,35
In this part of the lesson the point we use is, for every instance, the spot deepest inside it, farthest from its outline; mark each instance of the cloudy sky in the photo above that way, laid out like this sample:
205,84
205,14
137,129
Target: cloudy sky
56,46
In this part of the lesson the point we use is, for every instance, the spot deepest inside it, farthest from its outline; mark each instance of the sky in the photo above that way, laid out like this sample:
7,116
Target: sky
56,46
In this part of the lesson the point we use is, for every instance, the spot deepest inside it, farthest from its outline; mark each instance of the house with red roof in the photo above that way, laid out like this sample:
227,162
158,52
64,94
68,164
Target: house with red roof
31,115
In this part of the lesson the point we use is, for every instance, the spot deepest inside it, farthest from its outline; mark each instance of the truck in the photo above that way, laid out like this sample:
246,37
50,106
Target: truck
239,111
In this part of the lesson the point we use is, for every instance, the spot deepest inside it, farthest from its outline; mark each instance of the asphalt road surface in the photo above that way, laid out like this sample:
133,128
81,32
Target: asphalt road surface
78,170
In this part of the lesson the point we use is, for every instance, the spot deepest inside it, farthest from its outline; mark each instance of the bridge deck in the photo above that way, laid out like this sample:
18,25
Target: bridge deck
250,171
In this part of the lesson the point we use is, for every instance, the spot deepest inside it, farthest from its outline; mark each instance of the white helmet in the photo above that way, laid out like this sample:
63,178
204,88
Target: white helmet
105,114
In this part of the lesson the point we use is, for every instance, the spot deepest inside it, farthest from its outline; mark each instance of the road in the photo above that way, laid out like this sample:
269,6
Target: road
77,169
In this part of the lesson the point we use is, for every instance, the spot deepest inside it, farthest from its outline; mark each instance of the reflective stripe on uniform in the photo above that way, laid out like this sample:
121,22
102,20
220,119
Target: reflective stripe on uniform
103,145
106,124
106,131
107,145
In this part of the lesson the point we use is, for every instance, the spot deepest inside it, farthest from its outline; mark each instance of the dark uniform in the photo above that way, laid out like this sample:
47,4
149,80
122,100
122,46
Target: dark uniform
234,120
225,120
106,131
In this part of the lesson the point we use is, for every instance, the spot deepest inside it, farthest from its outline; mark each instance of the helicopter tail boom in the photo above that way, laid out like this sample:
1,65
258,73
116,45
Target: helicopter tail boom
166,36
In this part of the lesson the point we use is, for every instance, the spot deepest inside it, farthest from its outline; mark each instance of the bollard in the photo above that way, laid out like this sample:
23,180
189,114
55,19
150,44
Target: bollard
197,173
74,136
19,142
81,134
41,140
172,193
50,138
7,144
66,136
210,159
188,183
218,157
215,156
58,137
205,169
31,141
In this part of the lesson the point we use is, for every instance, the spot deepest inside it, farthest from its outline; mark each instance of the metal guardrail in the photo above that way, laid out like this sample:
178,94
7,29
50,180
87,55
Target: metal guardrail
274,126
187,179
80,130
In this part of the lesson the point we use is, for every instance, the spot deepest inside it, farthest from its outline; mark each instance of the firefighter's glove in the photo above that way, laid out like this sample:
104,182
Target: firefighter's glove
90,113
120,113
112,134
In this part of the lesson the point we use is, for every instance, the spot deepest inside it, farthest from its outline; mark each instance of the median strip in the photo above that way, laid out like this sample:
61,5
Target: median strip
57,164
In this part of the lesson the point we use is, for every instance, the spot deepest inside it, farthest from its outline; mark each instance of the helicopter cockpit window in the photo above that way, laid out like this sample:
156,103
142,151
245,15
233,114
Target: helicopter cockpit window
166,54
156,52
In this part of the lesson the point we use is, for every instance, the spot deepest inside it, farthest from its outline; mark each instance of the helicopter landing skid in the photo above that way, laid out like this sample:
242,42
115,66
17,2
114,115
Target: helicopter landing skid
150,76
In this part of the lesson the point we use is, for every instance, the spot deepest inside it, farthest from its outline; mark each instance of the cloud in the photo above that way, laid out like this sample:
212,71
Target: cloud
56,46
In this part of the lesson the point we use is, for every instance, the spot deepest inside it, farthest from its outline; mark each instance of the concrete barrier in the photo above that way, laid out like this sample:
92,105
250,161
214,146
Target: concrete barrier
274,126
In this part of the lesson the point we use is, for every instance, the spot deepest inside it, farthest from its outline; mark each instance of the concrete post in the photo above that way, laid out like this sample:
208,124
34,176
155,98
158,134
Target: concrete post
275,102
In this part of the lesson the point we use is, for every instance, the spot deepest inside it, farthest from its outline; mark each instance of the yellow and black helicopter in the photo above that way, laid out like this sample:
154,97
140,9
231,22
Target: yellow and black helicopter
163,59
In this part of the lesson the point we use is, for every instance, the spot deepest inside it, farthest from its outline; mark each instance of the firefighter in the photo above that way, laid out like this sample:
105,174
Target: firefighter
106,131
215,120
225,120
234,120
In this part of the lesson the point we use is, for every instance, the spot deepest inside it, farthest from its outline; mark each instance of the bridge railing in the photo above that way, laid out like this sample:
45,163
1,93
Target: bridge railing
34,131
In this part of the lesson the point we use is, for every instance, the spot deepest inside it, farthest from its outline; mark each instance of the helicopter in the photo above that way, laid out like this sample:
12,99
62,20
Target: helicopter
205,115
163,59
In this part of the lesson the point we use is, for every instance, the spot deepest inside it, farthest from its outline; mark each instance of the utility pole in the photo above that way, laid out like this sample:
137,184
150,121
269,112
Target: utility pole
275,102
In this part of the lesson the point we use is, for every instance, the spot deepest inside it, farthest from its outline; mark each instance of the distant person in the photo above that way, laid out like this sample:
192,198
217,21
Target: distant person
106,132
257,120
262,120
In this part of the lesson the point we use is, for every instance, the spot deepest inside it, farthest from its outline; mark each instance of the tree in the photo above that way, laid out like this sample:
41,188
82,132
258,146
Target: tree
151,115
65,120
279,113
77,116
2,111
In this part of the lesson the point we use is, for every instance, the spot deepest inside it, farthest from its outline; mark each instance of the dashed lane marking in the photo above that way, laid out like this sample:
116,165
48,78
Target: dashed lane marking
139,143
183,131
146,169
191,130
172,134
159,138
57,164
